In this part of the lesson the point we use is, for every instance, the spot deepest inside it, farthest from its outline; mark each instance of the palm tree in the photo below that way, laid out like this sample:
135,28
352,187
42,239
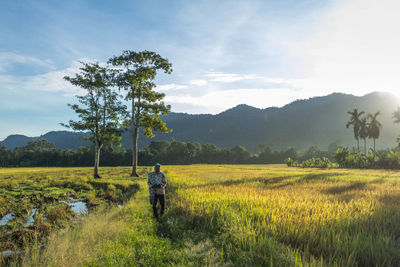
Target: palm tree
355,121
364,133
374,126
396,117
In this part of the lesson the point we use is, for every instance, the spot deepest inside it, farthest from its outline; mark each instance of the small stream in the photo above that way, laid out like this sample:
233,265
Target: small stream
79,207
31,220
6,218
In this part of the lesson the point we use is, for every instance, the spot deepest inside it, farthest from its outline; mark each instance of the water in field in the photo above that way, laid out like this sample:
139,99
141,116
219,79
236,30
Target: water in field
9,253
78,207
31,220
8,217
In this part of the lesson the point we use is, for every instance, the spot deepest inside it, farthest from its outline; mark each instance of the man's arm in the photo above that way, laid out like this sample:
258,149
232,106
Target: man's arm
164,180
148,179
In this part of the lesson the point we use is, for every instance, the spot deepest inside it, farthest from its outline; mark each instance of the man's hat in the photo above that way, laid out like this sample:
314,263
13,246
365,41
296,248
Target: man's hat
157,166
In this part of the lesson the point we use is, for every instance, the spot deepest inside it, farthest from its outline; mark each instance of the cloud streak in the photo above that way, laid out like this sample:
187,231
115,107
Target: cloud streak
51,81
170,87
7,59
218,101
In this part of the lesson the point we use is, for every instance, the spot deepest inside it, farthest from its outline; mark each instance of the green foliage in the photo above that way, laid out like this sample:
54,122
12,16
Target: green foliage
365,127
164,152
40,144
101,111
291,163
396,118
364,132
374,126
135,73
383,160
355,121
313,162
269,155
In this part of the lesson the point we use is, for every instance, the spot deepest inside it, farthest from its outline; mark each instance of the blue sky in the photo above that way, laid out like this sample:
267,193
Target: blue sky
224,53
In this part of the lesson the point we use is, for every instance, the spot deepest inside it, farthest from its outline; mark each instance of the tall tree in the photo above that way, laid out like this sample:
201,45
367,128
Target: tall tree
396,117
355,118
101,111
135,73
39,144
3,155
364,132
374,126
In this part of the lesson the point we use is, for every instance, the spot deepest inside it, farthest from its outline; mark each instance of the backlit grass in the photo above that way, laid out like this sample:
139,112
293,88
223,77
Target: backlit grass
334,216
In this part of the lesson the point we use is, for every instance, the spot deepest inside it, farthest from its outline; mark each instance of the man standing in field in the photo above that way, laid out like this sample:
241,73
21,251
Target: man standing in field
157,183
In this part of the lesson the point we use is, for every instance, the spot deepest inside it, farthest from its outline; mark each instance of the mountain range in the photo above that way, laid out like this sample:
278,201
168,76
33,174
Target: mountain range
317,121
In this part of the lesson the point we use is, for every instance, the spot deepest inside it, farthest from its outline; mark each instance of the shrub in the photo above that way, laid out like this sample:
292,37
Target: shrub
341,156
384,160
310,163
289,162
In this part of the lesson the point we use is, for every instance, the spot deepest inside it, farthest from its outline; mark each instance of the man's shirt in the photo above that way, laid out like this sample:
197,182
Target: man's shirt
157,179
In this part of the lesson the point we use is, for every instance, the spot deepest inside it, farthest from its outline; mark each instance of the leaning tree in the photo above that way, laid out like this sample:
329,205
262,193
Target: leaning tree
355,121
135,73
100,111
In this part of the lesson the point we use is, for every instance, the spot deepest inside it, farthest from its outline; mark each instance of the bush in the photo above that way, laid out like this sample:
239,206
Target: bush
384,160
341,156
390,160
310,163
290,162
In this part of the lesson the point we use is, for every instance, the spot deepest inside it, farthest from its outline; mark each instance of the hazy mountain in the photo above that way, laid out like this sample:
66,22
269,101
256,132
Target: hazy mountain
316,121
16,140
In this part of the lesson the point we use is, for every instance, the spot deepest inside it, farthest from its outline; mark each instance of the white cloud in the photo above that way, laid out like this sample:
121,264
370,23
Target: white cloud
220,77
218,101
199,82
226,77
170,87
52,81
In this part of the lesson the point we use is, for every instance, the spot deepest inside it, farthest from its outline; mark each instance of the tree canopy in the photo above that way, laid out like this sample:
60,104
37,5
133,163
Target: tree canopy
135,73
100,111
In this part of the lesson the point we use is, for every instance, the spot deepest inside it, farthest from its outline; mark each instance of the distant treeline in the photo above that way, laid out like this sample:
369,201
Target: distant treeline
41,153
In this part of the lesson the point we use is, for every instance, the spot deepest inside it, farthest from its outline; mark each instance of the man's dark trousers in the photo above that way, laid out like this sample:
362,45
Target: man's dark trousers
162,203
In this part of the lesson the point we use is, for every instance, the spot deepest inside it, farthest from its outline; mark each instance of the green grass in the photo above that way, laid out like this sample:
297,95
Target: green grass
239,215
45,189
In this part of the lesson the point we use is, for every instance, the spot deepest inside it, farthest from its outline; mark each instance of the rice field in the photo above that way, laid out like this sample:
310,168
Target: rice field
274,214
235,215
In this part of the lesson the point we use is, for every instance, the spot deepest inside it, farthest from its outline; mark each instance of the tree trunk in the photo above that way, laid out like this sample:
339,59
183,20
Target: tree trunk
374,146
96,161
358,146
135,137
365,146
